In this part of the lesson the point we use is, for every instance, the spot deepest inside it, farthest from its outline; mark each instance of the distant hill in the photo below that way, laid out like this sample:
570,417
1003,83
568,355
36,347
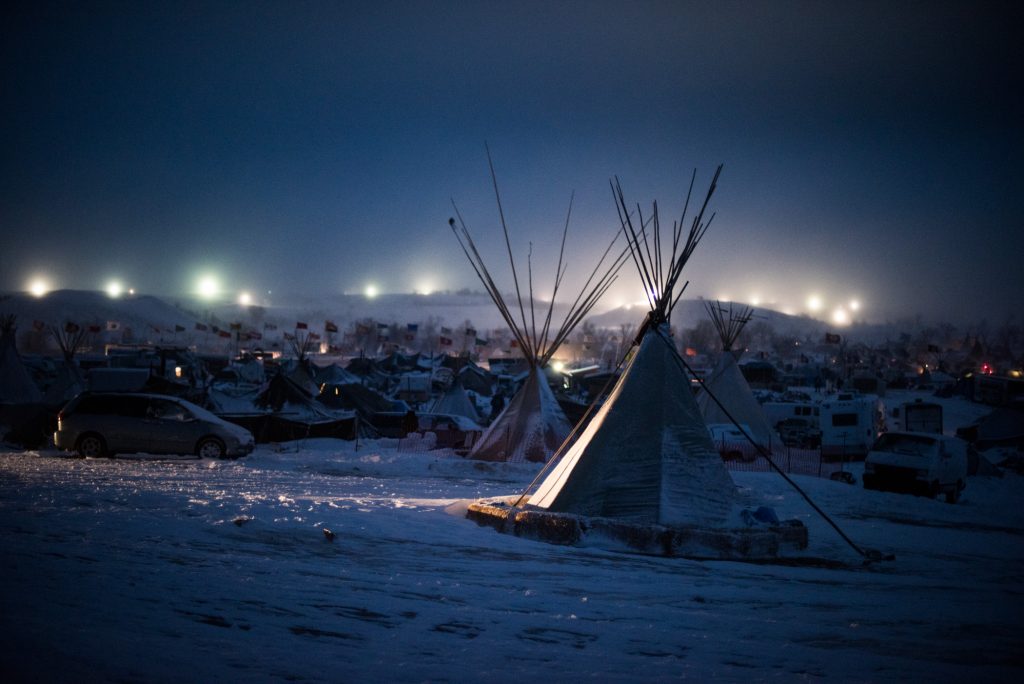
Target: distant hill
152,318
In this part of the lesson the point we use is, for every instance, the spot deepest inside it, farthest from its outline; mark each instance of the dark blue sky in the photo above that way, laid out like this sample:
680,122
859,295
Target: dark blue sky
871,150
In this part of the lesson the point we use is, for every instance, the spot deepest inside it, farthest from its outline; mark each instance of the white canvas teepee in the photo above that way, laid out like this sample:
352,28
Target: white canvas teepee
735,400
532,426
16,384
646,456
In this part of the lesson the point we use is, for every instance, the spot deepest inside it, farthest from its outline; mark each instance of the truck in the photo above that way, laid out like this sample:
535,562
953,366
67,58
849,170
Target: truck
926,464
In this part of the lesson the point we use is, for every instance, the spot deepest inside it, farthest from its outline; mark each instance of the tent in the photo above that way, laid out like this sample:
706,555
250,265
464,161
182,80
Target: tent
16,384
735,400
646,456
532,426
455,401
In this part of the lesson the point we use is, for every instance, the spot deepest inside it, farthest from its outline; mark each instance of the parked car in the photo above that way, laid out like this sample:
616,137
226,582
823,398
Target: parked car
108,423
917,463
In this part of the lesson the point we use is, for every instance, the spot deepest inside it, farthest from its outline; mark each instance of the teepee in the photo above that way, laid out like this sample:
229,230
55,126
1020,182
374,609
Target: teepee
16,384
532,426
736,402
646,456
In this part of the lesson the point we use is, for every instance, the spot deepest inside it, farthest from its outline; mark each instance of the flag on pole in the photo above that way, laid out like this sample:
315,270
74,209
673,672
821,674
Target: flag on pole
470,332
330,326
446,341
301,326
179,328
481,343
201,327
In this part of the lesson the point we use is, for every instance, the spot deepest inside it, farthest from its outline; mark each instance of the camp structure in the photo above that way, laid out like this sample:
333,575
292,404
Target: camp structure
22,416
644,472
735,401
532,425
455,401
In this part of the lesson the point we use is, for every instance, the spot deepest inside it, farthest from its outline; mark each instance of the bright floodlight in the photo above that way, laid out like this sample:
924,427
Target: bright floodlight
424,288
755,301
814,303
245,299
558,366
854,305
38,287
208,287
371,291
840,317
114,289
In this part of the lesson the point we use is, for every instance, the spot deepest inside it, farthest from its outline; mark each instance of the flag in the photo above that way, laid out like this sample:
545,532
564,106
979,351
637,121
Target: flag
201,327
314,336
269,326
113,325
289,337
179,328
235,326
470,332
410,337
301,326
362,329
95,328
214,329
253,335
412,327
382,326
514,344
832,338
446,331
690,351
224,333
329,326
70,327
481,343
446,341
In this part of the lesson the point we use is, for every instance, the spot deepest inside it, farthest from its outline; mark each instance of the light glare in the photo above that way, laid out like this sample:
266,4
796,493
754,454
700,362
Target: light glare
245,299
208,287
38,287
114,289
814,303
371,291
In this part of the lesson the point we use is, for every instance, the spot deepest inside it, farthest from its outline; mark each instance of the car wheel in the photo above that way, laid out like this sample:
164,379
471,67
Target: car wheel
91,445
210,447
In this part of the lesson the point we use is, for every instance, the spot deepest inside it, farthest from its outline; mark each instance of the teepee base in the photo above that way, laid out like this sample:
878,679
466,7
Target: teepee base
691,541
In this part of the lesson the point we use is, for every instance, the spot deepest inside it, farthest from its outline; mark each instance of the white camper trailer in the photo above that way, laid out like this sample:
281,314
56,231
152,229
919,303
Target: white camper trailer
850,423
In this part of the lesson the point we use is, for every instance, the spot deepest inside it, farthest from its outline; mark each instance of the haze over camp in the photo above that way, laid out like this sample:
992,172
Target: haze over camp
624,342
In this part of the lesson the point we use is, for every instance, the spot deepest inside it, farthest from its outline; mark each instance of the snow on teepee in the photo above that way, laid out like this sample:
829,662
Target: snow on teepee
16,384
735,401
532,426
646,456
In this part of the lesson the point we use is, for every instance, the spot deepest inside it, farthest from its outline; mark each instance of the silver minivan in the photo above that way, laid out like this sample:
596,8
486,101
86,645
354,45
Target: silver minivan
107,423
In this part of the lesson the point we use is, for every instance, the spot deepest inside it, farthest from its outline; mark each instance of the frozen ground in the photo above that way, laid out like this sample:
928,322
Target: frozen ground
134,569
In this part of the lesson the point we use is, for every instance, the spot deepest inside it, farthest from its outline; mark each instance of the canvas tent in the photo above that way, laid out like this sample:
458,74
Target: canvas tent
532,426
16,384
646,456
456,402
736,402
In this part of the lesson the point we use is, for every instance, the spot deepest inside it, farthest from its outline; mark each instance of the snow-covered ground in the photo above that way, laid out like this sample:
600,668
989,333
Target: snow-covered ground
163,569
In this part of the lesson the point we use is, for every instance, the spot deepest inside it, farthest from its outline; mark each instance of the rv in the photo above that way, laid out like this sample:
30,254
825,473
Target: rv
850,423
917,416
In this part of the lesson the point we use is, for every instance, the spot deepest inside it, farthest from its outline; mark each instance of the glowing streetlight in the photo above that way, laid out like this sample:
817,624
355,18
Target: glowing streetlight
114,289
854,305
208,287
245,299
371,291
38,287
814,303
840,317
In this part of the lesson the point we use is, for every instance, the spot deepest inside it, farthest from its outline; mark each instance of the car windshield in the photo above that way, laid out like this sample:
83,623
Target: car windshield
917,445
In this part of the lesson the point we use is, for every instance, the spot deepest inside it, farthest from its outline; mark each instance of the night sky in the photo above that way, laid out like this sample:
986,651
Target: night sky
871,151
